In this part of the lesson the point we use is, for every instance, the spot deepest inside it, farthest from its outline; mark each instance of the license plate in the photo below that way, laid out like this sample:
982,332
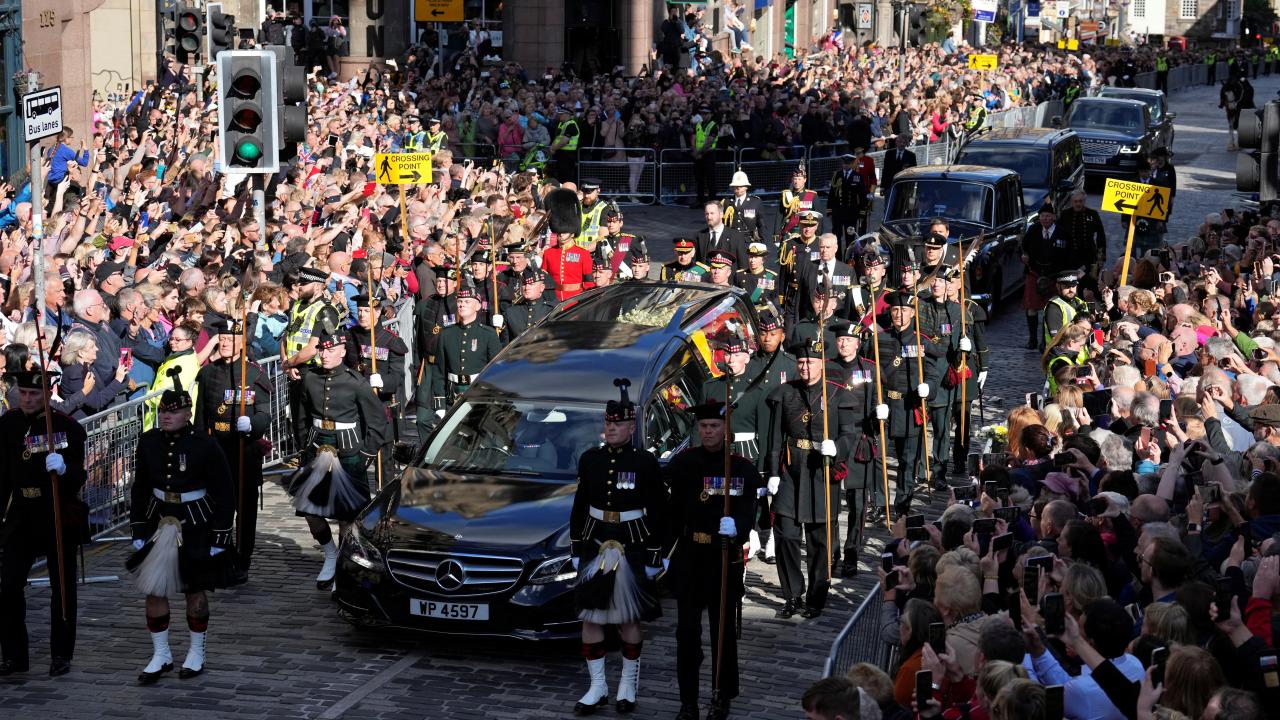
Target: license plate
449,610
1096,160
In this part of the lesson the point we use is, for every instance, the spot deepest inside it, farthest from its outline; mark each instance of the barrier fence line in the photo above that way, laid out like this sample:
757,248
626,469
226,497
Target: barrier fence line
859,640
112,442
625,174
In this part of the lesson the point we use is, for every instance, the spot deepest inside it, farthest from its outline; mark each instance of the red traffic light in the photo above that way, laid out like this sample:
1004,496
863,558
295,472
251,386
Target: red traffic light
188,21
245,84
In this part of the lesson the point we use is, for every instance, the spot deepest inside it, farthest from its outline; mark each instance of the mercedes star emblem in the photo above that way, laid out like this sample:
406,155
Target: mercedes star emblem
450,575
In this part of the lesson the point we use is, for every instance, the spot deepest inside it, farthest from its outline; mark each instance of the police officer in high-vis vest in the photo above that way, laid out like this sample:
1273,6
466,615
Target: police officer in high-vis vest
1063,307
415,139
310,311
565,146
1162,73
592,209
705,134
436,138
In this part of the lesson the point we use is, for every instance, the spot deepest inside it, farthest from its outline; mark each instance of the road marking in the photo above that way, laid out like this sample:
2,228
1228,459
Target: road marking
350,701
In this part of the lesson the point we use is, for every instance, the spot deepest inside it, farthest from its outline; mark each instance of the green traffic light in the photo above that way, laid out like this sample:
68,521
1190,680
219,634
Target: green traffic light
248,150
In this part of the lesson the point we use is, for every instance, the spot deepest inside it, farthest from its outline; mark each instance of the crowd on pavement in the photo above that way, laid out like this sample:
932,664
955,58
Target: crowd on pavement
1123,543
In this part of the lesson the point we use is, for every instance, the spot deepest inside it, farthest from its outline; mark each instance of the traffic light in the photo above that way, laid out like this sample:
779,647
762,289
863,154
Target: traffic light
248,116
221,30
1256,171
291,98
188,32
915,26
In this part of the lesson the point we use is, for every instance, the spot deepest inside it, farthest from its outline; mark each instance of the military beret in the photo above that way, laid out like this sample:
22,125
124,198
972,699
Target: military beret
769,321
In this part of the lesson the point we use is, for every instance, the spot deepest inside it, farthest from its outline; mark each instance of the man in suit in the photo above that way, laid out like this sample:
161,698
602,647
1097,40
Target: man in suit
842,278
743,212
1046,251
895,161
718,236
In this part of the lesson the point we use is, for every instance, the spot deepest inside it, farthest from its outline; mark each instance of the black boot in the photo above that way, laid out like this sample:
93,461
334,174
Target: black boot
10,667
719,710
688,711
940,483
1033,332
790,608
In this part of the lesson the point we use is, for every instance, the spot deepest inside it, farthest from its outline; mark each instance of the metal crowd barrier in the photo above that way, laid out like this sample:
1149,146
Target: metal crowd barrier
676,178
113,434
770,176
622,179
479,153
859,640
824,161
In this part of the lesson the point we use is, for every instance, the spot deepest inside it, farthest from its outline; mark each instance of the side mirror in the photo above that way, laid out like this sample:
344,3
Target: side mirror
404,452
1066,185
1172,115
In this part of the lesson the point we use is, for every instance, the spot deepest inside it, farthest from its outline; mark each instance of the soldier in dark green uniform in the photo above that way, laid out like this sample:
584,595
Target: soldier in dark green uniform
806,441
635,266
181,510
529,308
824,306
940,324
391,350
465,348
781,369
432,315
218,414
760,282
347,427
902,391
861,469
976,330
701,536
684,268
737,357
27,530
617,521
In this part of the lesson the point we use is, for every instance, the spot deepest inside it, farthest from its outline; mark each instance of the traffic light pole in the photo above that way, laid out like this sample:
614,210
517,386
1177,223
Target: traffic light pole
260,208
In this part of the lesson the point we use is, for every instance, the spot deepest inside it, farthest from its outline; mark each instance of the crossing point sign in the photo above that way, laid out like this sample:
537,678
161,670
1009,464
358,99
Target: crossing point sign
402,168
984,62
1131,198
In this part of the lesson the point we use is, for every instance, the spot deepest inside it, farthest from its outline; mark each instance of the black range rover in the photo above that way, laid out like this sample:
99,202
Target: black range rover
474,538
1114,134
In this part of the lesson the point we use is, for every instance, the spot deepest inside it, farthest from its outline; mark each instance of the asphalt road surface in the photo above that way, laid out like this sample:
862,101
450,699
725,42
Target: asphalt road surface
277,648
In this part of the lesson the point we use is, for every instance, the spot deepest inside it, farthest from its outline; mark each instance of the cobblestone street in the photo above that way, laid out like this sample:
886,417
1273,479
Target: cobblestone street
278,649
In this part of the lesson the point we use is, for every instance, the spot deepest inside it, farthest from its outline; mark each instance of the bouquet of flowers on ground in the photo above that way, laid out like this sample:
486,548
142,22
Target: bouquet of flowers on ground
996,437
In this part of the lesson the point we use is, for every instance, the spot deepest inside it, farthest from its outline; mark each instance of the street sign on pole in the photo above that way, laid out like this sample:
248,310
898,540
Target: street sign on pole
403,168
42,113
984,62
437,10
1137,200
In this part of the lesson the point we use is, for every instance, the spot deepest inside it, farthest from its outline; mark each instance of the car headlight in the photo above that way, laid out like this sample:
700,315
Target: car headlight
557,569
1131,149
361,551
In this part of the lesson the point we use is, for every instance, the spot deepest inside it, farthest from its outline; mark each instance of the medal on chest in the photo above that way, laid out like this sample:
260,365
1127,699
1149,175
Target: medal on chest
626,481
32,444
714,485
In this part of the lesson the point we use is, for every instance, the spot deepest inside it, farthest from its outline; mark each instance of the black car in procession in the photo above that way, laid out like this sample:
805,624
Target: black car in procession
976,201
1114,134
1047,160
1159,116
474,539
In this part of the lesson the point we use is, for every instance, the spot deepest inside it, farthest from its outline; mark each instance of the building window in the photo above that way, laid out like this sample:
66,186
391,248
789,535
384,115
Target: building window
1139,8
1188,9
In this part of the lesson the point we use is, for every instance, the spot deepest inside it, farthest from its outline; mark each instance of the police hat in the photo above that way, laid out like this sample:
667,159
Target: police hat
684,245
935,240
30,379
1069,277
710,410
590,186
621,409
310,275
412,119
722,257
433,121
769,321
1268,415
811,349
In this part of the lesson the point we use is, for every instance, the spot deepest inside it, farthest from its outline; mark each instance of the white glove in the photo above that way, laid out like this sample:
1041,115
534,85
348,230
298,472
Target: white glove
243,425
137,544
882,412
829,447
727,527
575,562
54,463
215,551
982,379
652,572
498,320
922,390
966,345
440,413
774,482
375,381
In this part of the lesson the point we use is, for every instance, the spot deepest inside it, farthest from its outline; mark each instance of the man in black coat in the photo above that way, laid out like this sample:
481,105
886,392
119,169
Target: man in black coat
743,212
806,440
718,236
895,161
